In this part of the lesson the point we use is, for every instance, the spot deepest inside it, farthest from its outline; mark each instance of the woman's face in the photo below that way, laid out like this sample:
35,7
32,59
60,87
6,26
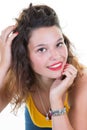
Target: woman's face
48,52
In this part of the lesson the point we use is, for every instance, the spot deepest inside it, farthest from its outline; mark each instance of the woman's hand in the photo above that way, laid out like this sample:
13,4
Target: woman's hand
6,38
60,86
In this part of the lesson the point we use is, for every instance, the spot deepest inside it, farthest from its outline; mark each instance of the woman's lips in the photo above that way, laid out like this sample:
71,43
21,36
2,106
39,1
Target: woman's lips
56,66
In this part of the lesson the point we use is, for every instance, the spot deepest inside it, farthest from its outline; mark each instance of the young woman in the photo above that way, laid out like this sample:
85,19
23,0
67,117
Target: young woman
38,68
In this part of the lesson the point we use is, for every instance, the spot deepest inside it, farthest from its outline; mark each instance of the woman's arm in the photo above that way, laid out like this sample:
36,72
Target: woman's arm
60,122
57,92
78,111
77,116
5,60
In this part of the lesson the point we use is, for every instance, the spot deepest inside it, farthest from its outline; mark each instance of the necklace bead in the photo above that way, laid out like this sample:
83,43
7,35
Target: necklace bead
48,115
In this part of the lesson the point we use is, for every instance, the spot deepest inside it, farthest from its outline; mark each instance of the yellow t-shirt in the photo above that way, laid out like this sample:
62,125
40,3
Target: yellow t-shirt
39,119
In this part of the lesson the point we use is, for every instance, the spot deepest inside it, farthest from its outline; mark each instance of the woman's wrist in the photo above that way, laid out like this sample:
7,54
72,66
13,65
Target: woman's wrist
56,104
58,112
3,72
4,68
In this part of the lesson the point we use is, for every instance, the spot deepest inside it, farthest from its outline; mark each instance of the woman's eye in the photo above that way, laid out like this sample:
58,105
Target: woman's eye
42,50
60,44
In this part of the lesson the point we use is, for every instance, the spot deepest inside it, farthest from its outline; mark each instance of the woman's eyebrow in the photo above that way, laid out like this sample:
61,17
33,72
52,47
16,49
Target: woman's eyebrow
40,45
60,39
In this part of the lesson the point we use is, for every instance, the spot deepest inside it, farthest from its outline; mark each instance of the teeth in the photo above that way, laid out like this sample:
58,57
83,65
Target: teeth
57,65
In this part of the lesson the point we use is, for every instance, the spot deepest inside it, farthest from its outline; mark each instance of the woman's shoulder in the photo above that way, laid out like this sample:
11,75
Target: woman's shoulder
82,80
78,102
79,91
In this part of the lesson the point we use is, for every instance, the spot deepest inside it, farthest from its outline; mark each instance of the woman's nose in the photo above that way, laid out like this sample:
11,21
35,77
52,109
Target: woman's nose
54,54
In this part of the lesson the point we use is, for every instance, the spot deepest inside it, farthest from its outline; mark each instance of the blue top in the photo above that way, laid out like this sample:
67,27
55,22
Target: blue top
34,120
29,125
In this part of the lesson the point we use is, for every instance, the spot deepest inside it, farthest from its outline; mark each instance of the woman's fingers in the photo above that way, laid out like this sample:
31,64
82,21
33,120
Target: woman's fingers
69,70
6,38
60,86
11,37
6,34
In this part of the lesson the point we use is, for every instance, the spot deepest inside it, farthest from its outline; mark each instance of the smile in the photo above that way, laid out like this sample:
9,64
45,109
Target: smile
56,66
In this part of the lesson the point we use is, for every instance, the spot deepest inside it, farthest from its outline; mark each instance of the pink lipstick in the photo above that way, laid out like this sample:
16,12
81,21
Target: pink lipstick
56,66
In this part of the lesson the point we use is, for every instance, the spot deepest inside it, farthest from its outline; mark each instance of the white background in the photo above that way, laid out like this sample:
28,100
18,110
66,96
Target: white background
73,19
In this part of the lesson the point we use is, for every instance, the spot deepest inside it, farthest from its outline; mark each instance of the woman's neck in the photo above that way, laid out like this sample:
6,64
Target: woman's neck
45,84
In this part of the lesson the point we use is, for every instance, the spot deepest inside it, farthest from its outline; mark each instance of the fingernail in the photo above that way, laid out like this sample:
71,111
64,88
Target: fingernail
17,33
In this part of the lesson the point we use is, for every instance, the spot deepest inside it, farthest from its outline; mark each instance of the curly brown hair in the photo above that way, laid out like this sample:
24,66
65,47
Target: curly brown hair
21,73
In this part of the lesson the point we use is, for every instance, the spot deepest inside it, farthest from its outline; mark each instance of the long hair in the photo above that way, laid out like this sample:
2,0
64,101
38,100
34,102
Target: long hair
21,74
